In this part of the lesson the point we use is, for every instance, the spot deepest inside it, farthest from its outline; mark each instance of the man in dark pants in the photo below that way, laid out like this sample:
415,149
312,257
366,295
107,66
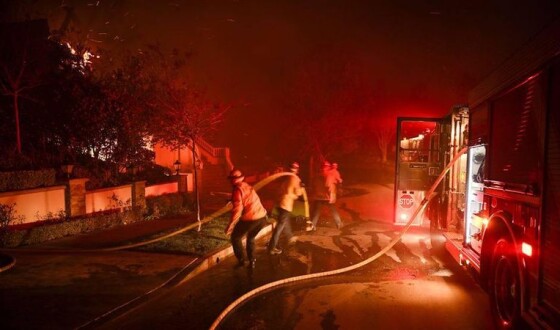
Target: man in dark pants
324,193
290,190
248,217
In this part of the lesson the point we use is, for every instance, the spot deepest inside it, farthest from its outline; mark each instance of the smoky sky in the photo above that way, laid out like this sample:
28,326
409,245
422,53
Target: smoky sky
423,55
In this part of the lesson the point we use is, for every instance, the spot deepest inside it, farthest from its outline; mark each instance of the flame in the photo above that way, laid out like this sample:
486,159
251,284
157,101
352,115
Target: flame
86,57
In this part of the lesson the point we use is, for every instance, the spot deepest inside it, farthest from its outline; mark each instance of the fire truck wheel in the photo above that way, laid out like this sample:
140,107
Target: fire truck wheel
505,291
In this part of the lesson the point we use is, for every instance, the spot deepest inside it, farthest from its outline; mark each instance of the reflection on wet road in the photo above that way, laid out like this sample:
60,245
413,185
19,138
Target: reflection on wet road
415,285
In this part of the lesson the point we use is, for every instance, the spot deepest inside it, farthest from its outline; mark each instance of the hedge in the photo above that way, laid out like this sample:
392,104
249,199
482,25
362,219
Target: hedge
20,180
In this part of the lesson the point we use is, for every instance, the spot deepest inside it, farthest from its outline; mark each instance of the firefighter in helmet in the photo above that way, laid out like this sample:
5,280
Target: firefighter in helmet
248,217
324,194
290,190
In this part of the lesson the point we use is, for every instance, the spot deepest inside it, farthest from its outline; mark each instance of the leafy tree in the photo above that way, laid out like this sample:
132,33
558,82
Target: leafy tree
187,116
39,77
127,95
180,113
107,116
175,111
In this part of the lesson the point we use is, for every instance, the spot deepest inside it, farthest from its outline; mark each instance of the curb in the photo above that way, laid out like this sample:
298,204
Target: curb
196,267
217,256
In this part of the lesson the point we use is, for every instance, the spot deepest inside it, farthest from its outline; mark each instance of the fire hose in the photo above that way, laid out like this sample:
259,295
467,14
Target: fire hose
286,281
198,224
139,299
267,287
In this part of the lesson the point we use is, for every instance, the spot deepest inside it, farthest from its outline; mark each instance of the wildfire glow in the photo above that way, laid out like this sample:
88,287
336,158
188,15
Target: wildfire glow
86,56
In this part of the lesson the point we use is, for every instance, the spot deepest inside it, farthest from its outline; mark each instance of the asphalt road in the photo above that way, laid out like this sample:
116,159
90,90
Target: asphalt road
416,285
50,289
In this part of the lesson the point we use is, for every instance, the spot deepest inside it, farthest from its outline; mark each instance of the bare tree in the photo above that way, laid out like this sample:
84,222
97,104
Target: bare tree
322,118
185,116
384,136
23,64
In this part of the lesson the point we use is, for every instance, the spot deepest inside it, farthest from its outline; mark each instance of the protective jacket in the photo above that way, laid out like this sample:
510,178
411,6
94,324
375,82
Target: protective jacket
290,190
333,178
323,188
247,205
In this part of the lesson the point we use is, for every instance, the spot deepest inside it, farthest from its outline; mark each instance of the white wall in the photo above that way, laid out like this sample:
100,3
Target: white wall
102,199
160,189
36,204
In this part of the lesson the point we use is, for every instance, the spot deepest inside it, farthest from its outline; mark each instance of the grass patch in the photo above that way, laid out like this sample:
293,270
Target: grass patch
209,238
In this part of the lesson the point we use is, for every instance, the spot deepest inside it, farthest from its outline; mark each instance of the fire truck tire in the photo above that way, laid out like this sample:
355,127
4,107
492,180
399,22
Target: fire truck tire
504,288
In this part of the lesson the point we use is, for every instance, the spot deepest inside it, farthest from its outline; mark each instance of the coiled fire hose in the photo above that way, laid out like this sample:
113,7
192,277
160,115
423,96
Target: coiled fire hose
267,287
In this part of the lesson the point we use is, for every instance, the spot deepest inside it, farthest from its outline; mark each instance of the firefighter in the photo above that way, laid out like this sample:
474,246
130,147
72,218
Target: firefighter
335,174
324,193
248,217
290,190
334,179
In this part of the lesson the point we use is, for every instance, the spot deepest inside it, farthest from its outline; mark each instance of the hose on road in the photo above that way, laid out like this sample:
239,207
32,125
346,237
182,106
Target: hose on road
267,287
205,220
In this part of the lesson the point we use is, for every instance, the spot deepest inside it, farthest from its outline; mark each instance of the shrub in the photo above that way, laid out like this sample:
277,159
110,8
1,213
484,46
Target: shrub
154,174
8,216
168,205
75,226
20,180
58,216
116,202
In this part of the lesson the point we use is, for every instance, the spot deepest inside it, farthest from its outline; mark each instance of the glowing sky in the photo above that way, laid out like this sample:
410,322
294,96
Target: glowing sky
424,56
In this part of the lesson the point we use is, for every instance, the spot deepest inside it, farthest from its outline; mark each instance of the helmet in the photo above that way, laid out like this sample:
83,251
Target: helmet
236,176
294,166
334,165
326,164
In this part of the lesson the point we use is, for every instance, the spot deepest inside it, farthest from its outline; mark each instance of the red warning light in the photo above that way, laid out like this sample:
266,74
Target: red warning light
527,249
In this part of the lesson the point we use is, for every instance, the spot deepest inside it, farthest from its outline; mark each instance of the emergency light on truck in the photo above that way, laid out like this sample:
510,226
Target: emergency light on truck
527,249
498,206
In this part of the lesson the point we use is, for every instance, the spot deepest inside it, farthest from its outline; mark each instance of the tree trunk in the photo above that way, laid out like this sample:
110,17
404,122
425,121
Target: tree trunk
195,171
312,173
16,113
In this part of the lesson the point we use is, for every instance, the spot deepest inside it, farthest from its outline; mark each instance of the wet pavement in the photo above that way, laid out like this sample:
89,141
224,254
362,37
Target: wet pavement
71,290
63,290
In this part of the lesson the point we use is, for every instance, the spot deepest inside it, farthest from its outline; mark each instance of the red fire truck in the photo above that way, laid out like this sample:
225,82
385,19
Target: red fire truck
499,205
